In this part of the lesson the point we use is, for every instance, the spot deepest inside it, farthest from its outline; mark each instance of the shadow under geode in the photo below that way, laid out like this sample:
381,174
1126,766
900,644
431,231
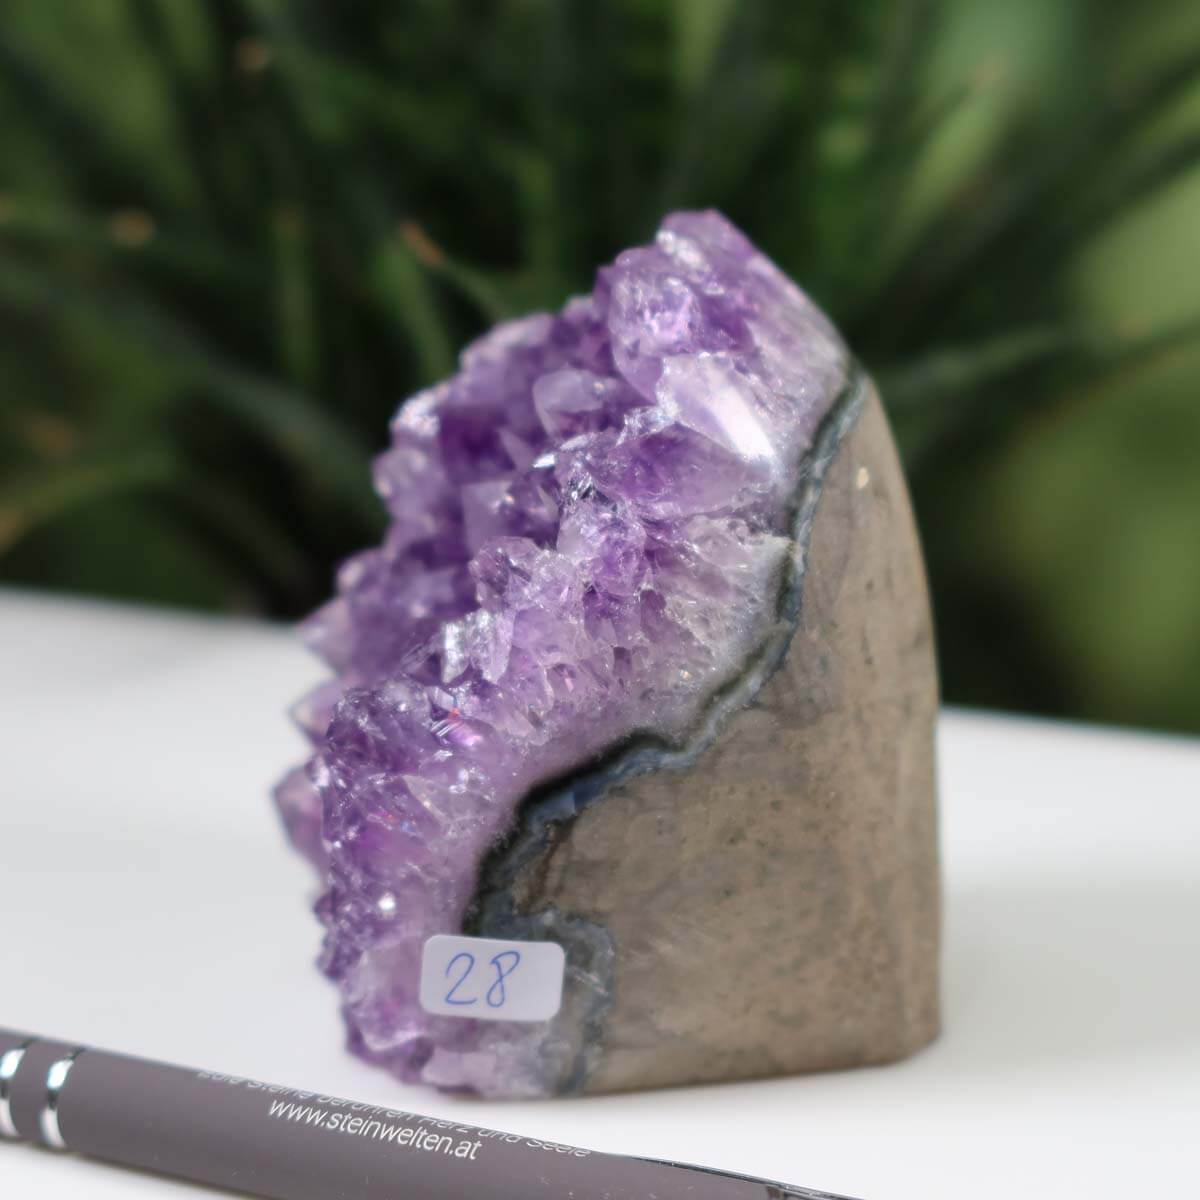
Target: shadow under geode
1049,971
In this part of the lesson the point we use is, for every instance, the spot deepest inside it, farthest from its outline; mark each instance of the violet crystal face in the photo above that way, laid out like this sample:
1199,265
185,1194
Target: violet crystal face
590,524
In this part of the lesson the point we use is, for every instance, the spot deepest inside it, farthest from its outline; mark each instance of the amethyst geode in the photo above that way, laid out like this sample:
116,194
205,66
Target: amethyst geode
595,564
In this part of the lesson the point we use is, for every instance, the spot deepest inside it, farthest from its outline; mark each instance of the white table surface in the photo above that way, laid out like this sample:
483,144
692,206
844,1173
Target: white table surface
149,904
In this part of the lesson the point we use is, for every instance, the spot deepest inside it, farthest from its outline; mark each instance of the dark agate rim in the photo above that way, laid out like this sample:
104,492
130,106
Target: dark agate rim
554,804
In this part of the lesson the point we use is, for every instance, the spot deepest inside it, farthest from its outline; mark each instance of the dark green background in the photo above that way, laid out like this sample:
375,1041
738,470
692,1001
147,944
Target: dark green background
234,234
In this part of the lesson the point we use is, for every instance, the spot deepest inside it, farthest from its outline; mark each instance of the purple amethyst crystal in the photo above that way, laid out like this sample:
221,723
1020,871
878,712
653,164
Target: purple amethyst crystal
590,525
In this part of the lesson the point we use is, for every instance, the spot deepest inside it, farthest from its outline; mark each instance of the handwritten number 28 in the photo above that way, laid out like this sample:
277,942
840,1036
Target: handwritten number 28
504,964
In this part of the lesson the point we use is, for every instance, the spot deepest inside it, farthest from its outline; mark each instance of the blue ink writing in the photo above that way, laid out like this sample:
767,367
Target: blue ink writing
496,994
470,961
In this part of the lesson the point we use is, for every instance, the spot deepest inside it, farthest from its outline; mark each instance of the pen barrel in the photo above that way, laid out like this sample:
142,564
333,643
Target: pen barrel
290,1144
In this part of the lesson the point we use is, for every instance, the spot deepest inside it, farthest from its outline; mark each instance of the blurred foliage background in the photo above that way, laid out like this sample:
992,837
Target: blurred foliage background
234,234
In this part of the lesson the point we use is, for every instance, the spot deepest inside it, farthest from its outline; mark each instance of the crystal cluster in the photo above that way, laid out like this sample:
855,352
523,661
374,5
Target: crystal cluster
588,528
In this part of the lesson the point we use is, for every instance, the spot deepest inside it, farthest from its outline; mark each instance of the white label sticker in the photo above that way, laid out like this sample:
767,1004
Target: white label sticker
491,980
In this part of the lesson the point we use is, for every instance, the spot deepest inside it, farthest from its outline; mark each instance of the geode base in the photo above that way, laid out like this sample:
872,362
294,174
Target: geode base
764,900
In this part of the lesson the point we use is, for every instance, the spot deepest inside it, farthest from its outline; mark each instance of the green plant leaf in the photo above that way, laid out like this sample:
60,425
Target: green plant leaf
402,285
34,498
126,236
953,374
297,427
